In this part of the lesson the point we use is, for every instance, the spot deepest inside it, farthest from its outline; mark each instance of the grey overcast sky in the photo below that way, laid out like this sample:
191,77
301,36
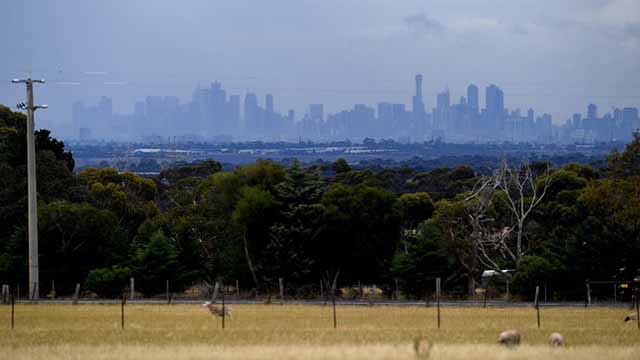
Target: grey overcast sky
553,55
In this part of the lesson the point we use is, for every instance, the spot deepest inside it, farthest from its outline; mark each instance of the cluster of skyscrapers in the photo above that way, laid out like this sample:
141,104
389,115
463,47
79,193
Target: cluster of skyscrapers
212,115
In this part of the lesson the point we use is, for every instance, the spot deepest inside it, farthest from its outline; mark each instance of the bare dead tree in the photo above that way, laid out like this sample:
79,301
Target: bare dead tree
483,235
523,190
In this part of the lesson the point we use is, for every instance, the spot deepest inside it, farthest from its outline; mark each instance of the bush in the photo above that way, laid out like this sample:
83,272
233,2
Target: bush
108,282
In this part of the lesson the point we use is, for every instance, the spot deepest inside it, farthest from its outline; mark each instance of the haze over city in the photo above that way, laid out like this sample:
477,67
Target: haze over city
553,57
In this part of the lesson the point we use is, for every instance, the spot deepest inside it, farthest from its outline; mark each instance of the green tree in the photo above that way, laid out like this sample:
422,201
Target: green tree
253,214
155,262
415,208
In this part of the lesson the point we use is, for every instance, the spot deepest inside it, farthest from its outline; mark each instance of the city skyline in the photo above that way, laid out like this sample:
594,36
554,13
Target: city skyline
212,114
555,57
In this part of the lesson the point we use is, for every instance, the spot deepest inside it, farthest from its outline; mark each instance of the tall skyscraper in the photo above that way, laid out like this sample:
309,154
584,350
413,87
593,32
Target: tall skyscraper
441,116
419,117
268,103
472,98
269,117
494,107
251,115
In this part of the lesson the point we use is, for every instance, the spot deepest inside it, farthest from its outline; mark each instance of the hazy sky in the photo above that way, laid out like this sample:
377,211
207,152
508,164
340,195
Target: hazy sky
553,55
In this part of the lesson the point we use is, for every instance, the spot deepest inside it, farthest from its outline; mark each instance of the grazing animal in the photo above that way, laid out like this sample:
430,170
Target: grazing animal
215,311
631,317
509,338
556,340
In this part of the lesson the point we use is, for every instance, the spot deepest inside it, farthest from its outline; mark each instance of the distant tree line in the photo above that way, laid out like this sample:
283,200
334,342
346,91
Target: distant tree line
262,221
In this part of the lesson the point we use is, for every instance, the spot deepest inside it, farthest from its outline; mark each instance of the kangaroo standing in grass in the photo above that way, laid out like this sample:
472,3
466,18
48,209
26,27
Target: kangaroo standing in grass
215,311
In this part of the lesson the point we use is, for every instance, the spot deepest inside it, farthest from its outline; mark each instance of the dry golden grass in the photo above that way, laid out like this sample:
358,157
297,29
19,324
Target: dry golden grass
288,332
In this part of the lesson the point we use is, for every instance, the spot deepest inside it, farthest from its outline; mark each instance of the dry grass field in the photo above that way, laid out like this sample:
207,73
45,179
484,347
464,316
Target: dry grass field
306,332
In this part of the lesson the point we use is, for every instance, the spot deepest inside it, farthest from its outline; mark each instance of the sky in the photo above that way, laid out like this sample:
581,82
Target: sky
555,56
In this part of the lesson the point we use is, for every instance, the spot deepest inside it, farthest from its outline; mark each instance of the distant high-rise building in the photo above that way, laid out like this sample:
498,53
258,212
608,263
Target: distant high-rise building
576,121
385,118
630,122
316,112
269,117
494,107
251,115
268,103
419,114
592,112
441,115
472,98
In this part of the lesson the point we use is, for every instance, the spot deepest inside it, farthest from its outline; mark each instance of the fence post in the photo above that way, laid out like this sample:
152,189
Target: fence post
53,289
438,299
397,293
223,309
486,293
167,291
123,301
132,286
508,295
321,290
13,310
333,299
588,299
637,308
238,289
76,295
5,294
281,283
537,305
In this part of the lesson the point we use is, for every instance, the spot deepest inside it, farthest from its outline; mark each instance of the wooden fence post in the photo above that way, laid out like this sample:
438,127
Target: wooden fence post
438,299
486,293
132,286
333,299
588,299
508,295
5,294
537,305
167,291
13,311
123,301
397,293
223,309
53,289
321,290
281,283
76,295
237,289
